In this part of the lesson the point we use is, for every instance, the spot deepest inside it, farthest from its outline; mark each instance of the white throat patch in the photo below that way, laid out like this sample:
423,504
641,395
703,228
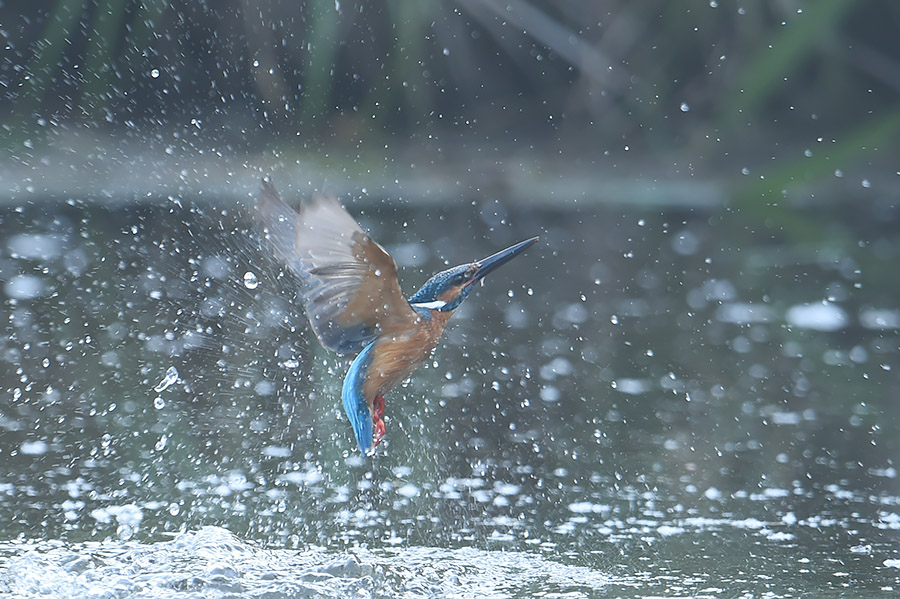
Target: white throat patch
437,305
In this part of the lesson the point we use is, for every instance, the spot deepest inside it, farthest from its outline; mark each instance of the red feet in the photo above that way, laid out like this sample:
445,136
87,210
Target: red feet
377,413
378,433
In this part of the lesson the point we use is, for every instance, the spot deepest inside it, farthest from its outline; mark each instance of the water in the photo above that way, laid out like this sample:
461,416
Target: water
212,562
645,404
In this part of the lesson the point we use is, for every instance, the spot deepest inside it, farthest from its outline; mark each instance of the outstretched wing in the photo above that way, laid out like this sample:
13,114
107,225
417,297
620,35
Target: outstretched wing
349,284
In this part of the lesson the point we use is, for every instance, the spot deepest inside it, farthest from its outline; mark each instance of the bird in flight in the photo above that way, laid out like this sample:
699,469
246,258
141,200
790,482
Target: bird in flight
352,296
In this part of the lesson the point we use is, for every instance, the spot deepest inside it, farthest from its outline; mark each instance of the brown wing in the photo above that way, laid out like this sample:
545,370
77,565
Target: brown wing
349,285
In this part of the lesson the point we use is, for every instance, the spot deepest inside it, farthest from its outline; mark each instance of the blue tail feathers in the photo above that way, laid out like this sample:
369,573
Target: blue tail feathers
354,403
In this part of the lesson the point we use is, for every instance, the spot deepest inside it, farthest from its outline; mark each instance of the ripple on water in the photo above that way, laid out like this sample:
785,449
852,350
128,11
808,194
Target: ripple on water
212,563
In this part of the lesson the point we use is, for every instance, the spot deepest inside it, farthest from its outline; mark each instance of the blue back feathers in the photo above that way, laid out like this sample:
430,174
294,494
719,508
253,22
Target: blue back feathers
354,403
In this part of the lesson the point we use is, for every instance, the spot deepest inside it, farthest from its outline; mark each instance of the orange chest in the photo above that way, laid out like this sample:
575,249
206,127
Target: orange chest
396,356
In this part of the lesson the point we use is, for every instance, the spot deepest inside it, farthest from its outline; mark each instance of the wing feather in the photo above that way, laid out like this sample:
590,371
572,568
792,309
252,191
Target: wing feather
348,283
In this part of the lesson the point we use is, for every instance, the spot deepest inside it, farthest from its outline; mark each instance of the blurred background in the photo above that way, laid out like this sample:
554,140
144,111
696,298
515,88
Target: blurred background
688,388
783,100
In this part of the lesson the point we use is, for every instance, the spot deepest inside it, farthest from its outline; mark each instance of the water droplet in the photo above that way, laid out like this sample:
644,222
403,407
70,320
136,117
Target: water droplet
251,281
34,447
866,183
685,107
24,287
154,73
550,394
170,379
161,444
159,403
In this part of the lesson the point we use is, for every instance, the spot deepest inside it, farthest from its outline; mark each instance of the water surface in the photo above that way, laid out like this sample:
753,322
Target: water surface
648,403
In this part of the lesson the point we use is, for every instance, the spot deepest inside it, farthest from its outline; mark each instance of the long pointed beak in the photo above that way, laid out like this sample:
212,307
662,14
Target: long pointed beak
490,263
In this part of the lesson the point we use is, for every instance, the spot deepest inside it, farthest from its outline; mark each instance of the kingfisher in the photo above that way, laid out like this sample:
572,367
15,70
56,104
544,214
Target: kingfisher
351,294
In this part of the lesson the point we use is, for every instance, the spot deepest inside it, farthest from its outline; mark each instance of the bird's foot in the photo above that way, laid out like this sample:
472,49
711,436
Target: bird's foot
378,433
377,413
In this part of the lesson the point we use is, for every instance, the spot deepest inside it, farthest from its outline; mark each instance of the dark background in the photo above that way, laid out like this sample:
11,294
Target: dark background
770,98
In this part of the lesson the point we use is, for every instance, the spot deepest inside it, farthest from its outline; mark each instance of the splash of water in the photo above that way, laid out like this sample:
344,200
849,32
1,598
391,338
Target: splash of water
167,381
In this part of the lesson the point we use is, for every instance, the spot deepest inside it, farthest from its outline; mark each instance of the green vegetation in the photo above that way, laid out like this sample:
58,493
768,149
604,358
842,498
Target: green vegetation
714,84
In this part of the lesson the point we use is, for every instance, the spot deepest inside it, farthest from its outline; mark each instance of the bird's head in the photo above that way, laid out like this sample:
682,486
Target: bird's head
446,290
